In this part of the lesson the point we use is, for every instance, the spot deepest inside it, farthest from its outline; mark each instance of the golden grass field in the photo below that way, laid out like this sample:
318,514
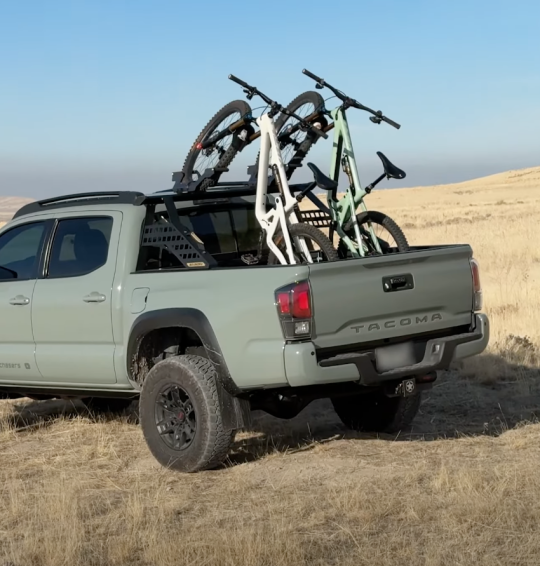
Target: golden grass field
461,488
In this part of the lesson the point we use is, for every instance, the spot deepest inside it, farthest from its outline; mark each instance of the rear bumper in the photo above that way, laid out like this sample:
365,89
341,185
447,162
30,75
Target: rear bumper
302,368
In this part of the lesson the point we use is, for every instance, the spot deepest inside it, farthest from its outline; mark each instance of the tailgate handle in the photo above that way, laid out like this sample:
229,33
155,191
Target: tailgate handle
398,283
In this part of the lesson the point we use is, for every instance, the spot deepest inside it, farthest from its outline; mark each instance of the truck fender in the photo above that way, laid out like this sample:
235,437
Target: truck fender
236,411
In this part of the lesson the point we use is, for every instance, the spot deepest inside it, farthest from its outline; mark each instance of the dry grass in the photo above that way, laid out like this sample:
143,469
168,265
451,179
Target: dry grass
461,488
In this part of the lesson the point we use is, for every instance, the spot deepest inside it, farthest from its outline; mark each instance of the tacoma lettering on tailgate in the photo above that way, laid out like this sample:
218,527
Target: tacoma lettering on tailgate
407,321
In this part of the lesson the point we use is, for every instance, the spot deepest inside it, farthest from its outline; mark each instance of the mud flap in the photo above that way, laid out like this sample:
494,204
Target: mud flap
235,412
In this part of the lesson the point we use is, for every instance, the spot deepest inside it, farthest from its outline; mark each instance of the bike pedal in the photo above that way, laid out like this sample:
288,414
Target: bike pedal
249,259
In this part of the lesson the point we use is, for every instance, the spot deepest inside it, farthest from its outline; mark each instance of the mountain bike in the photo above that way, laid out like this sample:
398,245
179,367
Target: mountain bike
356,231
298,241
232,128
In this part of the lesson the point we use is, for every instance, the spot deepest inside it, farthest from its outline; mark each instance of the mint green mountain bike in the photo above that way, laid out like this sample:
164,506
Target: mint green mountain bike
369,232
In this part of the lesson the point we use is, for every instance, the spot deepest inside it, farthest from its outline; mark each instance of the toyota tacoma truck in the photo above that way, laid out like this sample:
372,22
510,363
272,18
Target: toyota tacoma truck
156,299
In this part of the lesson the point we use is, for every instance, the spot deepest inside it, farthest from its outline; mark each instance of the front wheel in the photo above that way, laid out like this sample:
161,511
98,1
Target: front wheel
221,153
389,235
375,412
320,247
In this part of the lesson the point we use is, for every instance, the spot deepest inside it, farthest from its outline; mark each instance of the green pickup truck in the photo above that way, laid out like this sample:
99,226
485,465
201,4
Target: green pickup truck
121,297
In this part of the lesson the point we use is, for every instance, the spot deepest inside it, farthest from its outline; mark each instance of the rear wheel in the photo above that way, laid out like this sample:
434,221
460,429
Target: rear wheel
389,235
297,146
180,414
222,152
375,412
319,246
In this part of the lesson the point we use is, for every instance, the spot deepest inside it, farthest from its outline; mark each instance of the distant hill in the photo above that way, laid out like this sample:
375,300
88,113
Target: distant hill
524,178
9,206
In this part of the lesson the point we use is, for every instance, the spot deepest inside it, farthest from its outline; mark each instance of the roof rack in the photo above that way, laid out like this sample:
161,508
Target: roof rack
114,197
179,192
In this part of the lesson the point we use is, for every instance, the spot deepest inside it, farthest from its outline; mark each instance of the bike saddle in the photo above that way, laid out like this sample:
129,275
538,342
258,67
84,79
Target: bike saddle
322,181
392,172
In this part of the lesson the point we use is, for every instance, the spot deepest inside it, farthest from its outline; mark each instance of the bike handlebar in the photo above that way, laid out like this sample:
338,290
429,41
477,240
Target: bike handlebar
312,76
275,106
240,82
378,116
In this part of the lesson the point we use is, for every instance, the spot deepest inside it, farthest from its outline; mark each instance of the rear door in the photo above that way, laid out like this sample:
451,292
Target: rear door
375,298
72,309
20,251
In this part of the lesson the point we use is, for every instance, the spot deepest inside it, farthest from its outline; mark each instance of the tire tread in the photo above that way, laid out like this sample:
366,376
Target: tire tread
218,440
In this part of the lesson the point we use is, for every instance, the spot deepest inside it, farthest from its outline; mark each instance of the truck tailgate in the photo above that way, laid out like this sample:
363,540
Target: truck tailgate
427,289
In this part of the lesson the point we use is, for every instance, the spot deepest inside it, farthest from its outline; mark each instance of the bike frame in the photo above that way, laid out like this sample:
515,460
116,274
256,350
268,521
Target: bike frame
282,214
344,209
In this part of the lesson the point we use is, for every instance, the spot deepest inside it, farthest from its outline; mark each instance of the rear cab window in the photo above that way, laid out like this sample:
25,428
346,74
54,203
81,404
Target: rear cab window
226,233
80,246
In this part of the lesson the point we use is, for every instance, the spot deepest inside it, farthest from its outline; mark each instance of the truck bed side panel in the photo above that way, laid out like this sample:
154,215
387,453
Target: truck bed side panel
239,304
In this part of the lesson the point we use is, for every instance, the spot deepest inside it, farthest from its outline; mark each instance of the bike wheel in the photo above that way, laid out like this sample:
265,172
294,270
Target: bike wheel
221,153
319,245
294,151
381,223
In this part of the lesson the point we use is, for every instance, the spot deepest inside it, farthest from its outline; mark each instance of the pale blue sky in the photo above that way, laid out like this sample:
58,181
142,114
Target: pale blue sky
99,94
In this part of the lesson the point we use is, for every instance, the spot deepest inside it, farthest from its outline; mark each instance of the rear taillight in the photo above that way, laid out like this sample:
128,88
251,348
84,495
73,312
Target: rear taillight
293,304
477,286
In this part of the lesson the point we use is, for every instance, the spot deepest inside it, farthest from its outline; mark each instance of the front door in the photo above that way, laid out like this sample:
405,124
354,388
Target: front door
20,251
72,312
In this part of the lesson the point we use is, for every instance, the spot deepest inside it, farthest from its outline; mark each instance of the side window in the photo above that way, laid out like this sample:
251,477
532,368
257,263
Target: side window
80,246
19,249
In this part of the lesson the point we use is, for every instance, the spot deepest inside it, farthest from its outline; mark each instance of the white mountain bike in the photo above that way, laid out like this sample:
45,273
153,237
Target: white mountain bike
289,240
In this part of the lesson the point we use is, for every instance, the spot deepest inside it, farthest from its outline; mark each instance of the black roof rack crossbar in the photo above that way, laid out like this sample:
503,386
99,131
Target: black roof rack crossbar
220,191
64,201
181,187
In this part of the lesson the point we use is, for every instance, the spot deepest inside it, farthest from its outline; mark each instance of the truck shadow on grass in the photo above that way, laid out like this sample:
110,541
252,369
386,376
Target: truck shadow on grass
28,415
485,398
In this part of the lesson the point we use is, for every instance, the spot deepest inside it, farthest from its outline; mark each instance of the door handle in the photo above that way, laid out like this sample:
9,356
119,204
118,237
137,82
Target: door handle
94,298
19,300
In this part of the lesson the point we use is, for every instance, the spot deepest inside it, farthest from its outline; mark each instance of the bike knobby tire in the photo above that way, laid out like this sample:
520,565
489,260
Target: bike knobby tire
309,232
382,219
239,107
300,152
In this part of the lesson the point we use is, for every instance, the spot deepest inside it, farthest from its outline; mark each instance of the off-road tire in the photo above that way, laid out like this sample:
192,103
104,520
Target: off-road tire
375,412
232,107
198,378
376,218
305,98
309,231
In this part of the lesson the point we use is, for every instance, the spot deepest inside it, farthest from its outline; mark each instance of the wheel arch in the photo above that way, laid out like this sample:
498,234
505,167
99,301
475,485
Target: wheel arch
180,319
